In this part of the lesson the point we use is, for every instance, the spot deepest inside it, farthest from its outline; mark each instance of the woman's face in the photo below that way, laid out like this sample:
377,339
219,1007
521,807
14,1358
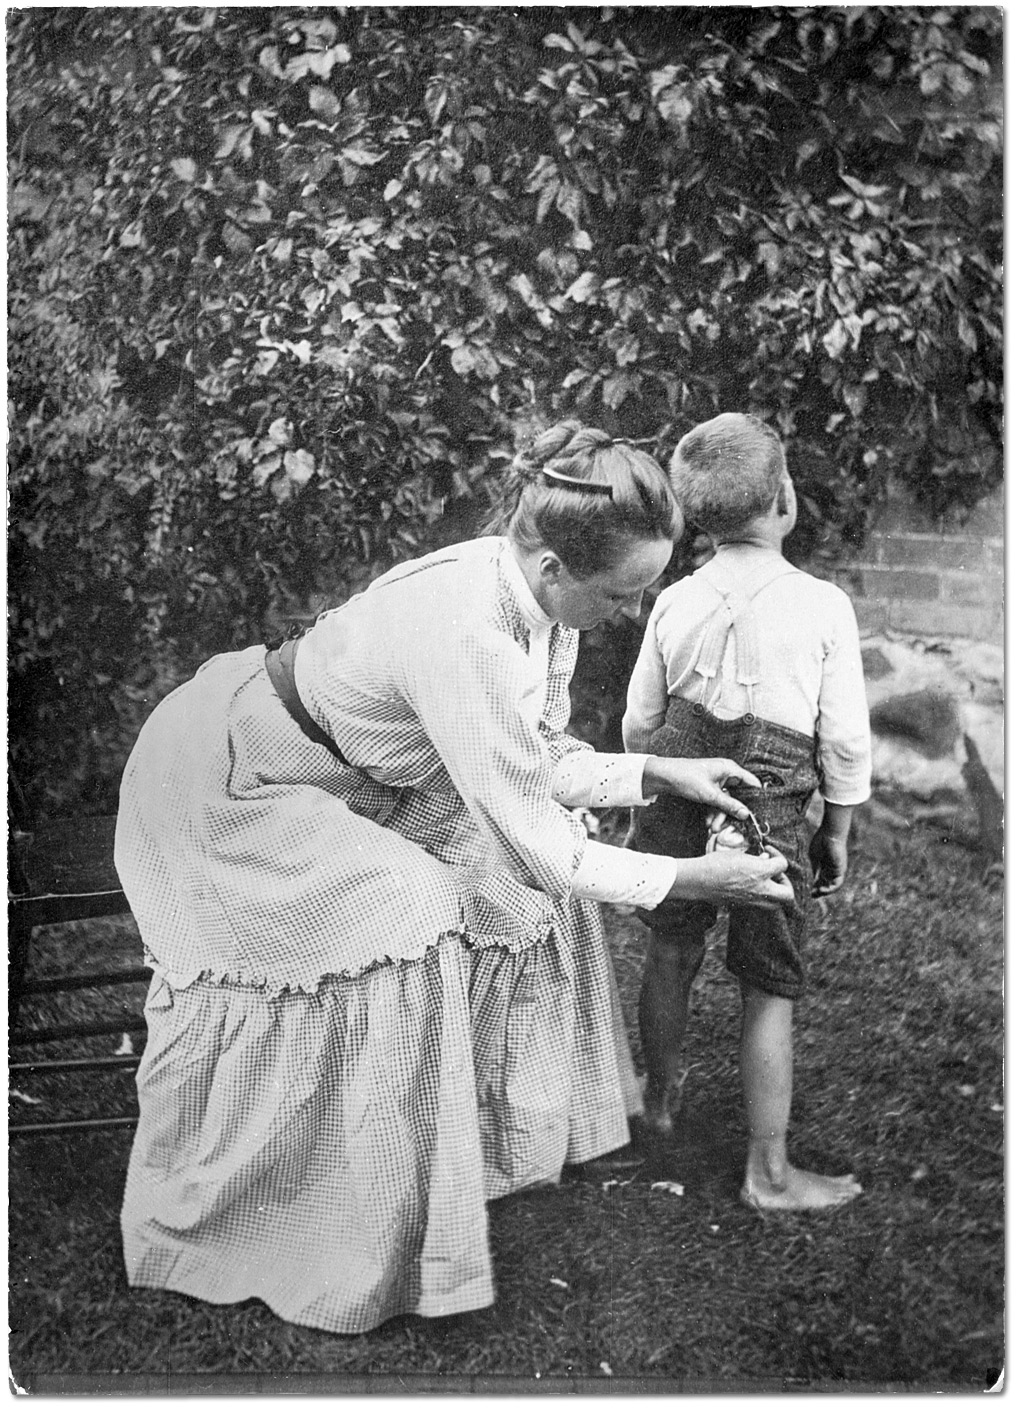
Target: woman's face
608,595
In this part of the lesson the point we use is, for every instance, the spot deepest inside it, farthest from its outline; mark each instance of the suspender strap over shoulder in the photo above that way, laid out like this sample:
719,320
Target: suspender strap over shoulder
733,613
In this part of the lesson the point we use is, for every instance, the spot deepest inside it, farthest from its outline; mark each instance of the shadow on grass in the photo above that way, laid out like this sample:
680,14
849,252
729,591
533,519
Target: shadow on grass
899,1071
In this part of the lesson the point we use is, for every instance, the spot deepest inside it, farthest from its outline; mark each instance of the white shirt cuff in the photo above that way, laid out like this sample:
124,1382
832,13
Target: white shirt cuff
584,779
626,878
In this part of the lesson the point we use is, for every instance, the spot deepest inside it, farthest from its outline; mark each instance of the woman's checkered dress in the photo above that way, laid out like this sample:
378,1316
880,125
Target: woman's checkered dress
374,1005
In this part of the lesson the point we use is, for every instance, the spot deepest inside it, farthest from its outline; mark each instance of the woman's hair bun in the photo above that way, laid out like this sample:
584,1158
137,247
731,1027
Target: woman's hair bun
586,496
564,440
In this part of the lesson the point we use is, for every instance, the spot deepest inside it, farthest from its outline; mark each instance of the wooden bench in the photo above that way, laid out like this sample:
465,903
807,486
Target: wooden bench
62,871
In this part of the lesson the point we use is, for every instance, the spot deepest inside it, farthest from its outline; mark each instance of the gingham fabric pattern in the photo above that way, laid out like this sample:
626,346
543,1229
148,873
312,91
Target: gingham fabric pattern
809,647
319,1152
249,853
425,681
553,1069
275,888
256,855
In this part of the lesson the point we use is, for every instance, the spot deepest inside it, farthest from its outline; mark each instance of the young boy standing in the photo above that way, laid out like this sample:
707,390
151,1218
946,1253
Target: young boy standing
751,659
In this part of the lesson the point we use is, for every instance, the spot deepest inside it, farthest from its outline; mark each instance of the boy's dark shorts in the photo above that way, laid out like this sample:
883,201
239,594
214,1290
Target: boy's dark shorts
763,946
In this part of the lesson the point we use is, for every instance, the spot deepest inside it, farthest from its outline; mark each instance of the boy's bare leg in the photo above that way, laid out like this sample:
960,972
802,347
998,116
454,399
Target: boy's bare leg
766,1068
670,970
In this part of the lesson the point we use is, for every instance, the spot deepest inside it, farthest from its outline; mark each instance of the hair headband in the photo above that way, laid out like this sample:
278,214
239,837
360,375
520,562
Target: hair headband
568,482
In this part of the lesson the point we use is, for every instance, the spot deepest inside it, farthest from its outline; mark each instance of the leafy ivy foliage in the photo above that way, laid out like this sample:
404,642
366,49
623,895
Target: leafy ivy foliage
285,282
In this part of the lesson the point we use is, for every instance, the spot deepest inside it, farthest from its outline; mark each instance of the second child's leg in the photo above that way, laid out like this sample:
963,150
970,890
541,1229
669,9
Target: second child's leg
670,970
766,1068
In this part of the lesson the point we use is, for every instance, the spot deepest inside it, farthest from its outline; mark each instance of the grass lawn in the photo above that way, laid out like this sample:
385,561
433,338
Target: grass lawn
899,1077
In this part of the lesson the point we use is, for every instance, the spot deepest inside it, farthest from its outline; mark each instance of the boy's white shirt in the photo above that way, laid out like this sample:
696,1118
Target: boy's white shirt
809,652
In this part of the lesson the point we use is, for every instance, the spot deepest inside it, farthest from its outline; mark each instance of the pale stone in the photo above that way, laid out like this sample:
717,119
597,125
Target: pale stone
969,673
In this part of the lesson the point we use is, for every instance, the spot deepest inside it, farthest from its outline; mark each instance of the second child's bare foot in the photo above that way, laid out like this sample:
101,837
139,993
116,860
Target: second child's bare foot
799,1189
656,1118
652,1128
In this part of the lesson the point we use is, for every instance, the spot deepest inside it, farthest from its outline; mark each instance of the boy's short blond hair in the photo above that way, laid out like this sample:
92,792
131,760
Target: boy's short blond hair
727,471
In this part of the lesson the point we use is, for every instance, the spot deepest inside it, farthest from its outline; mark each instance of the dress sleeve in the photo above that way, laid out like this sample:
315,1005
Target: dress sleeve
624,877
844,727
647,694
561,659
584,779
472,699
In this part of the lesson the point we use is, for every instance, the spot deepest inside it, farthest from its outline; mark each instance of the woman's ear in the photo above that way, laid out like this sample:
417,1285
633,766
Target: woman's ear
550,567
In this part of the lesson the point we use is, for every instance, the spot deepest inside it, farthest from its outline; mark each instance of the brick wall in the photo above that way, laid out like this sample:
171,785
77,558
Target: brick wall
915,576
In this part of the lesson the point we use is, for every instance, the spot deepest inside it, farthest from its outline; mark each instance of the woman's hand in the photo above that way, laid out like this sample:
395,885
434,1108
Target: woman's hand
699,780
733,878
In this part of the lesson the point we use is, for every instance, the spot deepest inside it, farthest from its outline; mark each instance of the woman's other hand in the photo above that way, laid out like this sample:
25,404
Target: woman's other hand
734,878
699,780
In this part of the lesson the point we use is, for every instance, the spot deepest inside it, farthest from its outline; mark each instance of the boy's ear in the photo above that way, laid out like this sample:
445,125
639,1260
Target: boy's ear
783,499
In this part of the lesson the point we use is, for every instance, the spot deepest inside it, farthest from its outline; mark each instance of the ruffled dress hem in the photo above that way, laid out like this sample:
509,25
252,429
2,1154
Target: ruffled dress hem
273,986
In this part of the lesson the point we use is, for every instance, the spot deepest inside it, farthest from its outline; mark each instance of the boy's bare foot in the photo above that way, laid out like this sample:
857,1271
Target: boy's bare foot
799,1189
